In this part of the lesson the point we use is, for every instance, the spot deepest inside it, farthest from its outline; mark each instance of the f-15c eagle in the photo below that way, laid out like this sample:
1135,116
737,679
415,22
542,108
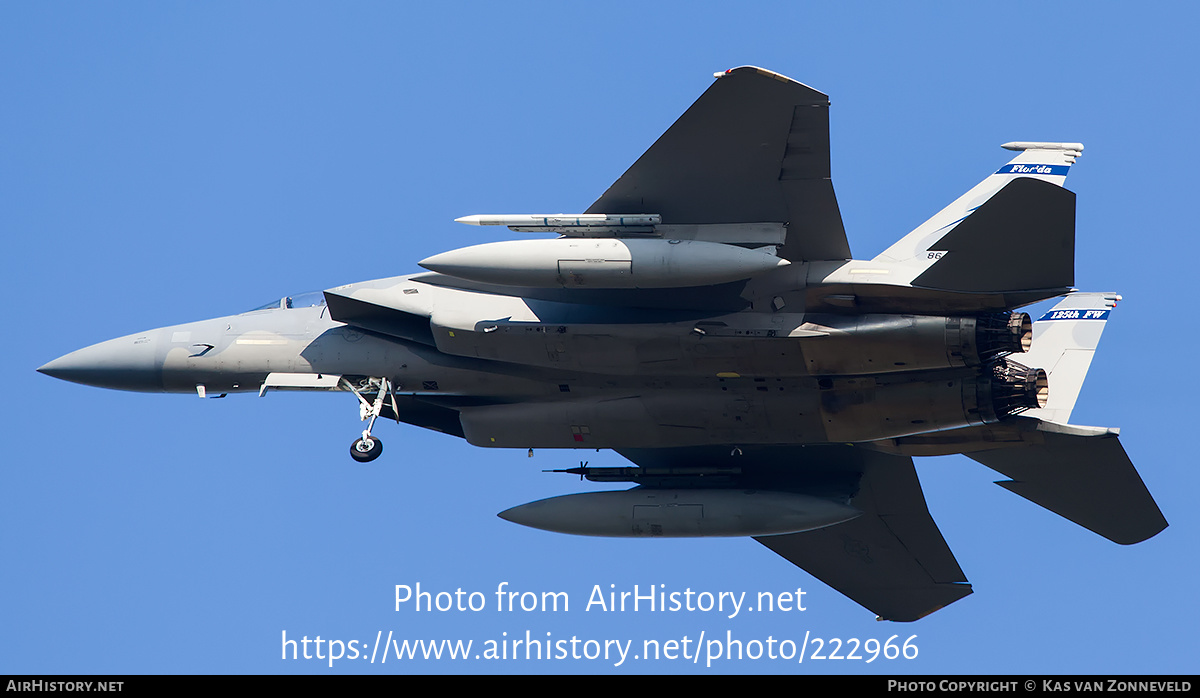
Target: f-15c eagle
705,320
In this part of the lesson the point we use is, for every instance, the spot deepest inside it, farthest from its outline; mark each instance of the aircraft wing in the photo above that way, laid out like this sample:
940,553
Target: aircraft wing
753,149
892,560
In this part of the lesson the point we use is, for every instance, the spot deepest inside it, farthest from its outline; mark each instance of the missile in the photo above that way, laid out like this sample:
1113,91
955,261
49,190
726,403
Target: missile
682,513
603,263
554,221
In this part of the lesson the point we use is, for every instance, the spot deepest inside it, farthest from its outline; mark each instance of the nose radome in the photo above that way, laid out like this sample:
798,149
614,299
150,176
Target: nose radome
125,363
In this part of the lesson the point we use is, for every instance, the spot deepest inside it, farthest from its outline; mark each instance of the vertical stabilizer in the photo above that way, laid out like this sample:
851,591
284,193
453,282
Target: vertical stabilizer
1064,341
1048,162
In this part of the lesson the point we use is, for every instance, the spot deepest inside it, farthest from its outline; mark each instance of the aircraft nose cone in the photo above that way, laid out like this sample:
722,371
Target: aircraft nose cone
127,363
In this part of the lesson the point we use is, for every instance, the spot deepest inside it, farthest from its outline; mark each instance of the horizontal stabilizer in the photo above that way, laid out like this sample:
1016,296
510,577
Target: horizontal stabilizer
893,559
1021,238
1086,479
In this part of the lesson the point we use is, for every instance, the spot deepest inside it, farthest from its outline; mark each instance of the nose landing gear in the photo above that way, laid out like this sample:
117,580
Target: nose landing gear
368,448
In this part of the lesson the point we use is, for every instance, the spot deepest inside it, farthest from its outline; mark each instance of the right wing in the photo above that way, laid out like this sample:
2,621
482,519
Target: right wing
753,149
892,559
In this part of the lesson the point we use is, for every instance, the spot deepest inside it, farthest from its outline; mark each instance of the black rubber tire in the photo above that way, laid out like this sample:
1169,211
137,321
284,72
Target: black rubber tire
366,450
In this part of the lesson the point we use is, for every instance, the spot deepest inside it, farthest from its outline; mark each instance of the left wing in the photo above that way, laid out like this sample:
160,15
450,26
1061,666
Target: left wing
892,560
753,149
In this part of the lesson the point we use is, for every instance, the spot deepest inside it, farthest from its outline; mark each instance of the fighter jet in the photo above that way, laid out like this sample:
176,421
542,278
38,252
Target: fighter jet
705,320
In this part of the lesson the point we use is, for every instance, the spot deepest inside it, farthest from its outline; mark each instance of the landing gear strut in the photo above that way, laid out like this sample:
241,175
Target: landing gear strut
368,448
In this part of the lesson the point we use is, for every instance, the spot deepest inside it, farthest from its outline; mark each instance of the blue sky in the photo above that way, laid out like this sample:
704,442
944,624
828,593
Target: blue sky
169,162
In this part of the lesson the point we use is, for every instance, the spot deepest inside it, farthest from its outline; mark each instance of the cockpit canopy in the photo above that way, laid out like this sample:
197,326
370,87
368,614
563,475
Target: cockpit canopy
311,299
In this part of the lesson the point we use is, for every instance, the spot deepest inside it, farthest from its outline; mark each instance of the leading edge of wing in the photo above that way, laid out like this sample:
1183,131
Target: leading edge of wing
893,559
754,148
